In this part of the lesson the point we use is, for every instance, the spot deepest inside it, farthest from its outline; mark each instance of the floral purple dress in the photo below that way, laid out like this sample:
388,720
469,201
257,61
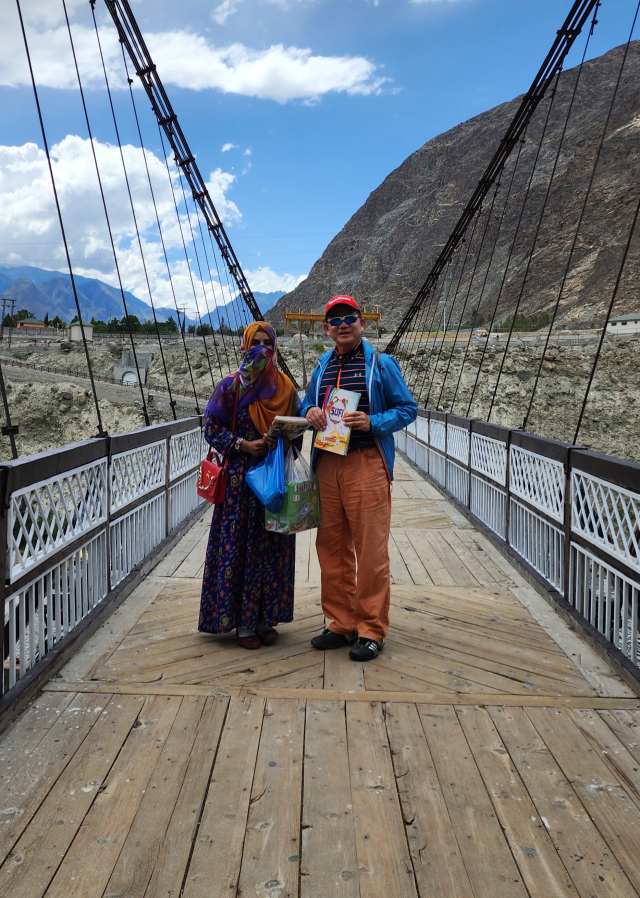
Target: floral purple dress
249,572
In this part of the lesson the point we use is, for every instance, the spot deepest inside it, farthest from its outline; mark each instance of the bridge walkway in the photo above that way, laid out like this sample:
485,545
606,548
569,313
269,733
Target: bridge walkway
487,752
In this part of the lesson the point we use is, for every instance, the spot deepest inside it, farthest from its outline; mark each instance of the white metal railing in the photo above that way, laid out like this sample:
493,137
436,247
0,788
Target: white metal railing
572,517
538,480
71,537
49,515
606,515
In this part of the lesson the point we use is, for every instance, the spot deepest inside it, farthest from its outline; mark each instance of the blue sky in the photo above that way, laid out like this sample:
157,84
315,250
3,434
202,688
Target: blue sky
313,101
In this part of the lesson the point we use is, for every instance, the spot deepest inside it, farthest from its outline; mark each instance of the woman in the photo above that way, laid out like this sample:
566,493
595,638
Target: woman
249,572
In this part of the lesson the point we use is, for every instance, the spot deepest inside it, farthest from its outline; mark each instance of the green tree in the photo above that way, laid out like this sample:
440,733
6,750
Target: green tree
46,319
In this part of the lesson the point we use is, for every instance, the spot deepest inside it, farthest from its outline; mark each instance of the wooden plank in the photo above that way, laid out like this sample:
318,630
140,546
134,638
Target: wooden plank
585,854
221,834
146,841
464,554
430,559
169,565
35,858
605,799
437,860
195,559
516,701
626,726
542,870
411,559
174,852
340,672
329,867
384,860
27,731
478,542
303,545
26,780
271,856
399,572
460,573
488,861
383,675
89,862
297,678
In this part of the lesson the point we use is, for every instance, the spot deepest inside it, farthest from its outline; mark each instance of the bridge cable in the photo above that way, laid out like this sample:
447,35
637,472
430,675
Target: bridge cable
579,224
438,292
453,302
181,326
213,289
489,264
545,203
106,215
622,263
204,292
157,214
195,249
10,430
471,280
133,211
515,238
215,259
101,430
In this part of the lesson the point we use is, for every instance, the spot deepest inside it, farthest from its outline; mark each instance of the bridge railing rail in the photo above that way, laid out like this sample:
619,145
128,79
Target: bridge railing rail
570,516
76,521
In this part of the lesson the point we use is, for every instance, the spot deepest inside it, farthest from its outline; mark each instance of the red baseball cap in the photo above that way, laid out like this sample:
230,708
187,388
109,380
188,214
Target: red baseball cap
341,301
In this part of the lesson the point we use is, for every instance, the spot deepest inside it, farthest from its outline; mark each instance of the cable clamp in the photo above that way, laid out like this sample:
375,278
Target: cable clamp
147,71
10,430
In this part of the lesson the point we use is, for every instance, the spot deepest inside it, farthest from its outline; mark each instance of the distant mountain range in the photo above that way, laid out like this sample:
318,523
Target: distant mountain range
43,292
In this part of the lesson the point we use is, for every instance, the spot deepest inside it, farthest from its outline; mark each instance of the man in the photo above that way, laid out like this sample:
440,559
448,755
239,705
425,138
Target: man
355,489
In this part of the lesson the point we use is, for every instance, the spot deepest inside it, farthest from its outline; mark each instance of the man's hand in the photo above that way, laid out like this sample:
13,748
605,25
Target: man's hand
357,420
317,418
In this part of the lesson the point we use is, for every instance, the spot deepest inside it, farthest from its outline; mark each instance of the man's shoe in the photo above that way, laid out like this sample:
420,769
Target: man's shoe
330,640
366,649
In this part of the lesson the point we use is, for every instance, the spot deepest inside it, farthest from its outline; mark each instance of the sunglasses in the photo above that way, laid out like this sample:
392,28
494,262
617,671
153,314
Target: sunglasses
348,319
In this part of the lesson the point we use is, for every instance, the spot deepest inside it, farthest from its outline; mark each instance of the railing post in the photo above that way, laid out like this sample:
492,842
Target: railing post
568,501
167,526
108,524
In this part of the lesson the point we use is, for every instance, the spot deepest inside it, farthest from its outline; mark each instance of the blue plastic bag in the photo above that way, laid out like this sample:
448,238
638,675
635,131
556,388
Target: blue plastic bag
266,479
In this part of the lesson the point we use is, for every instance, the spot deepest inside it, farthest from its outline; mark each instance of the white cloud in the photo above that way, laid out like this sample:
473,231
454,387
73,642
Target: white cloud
247,152
266,280
29,229
229,146
228,7
420,2
185,59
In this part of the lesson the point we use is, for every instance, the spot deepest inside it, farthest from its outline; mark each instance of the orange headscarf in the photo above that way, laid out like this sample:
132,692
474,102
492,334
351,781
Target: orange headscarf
285,399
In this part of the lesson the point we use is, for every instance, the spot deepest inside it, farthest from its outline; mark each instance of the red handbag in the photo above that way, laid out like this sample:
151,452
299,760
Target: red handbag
212,476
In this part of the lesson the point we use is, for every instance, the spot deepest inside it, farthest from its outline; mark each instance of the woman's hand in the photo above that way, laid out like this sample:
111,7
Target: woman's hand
272,442
256,448
316,418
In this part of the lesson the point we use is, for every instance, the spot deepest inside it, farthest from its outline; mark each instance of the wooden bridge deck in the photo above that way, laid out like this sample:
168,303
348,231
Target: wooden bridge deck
487,753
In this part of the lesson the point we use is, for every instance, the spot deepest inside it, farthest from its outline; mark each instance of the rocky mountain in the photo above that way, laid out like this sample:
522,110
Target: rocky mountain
42,291
385,251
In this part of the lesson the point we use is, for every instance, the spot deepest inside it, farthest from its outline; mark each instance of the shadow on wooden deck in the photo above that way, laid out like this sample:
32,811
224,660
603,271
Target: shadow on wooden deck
487,752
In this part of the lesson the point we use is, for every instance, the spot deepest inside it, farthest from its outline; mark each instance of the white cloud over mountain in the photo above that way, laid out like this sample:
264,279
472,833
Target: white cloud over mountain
184,58
266,280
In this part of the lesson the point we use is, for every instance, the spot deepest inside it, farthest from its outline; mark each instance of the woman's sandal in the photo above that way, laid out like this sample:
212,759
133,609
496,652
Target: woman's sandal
268,637
248,642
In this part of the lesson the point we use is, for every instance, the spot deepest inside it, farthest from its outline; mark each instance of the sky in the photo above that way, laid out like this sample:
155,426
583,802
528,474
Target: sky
295,110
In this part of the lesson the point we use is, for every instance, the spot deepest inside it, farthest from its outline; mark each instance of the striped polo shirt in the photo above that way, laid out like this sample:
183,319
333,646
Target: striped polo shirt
353,378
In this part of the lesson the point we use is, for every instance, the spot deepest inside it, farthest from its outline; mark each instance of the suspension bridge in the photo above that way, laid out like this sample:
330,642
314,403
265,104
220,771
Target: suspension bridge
491,750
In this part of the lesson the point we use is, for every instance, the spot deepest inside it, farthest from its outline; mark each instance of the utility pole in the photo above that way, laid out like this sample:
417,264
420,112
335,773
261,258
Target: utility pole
6,300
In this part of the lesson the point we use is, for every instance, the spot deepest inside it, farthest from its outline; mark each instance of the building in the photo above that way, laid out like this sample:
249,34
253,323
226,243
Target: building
30,322
624,325
74,332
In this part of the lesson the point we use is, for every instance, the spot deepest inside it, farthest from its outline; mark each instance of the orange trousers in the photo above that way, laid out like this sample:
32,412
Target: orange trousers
353,542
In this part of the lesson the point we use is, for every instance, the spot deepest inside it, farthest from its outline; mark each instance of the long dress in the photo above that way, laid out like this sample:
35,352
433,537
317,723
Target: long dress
249,572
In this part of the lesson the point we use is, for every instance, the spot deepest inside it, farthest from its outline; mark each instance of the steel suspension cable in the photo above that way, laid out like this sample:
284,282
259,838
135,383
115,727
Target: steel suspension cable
490,263
438,294
106,214
515,238
215,259
133,211
580,219
471,280
101,430
215,300
181,327
545,202
455,296
624,255
160,233
195,248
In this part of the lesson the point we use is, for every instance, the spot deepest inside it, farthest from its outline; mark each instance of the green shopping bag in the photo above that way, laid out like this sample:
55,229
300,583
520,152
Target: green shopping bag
300,509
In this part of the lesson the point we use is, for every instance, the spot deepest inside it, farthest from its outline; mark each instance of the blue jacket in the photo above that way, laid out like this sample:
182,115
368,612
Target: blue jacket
391,405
